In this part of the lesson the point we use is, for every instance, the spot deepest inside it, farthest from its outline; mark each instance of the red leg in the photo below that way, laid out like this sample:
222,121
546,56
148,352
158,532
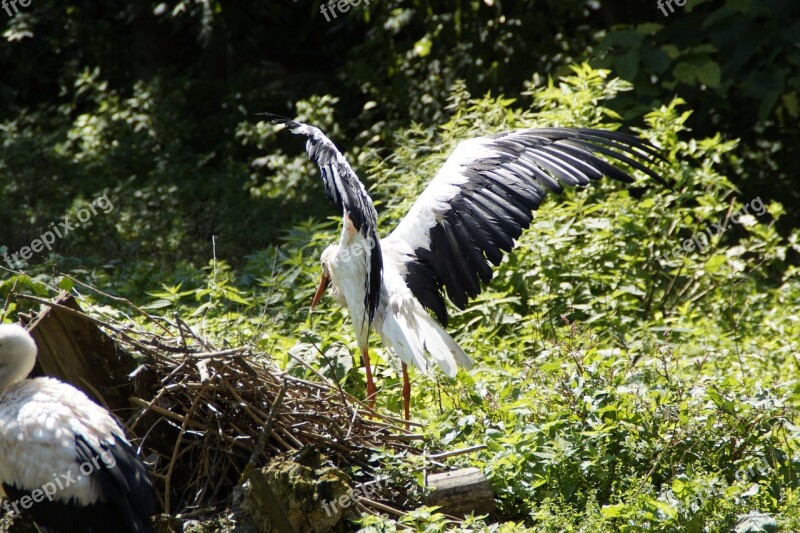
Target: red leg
406,391
371,390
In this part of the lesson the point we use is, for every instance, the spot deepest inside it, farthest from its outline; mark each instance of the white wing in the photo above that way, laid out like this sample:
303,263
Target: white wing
53,437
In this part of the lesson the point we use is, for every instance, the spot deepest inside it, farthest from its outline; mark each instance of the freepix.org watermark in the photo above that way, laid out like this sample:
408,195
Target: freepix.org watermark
702,239
356,250
329,9
60,482
8,5
367,490
58,230
663,5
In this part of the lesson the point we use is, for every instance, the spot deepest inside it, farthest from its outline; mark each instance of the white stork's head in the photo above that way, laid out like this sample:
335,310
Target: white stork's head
17,354
329,261
327,258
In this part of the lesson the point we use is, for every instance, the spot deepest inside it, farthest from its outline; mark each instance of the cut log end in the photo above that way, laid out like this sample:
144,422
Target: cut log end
461,492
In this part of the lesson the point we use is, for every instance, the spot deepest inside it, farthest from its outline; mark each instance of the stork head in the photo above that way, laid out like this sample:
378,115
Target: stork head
17,354
328,259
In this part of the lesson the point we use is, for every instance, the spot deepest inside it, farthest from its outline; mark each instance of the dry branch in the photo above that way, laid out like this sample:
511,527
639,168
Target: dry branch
201,414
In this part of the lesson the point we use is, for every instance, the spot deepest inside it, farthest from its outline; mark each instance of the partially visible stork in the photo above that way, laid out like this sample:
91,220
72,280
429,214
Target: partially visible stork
63,458
469,214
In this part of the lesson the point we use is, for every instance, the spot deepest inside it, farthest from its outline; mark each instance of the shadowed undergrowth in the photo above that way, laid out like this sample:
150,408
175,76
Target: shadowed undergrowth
629,374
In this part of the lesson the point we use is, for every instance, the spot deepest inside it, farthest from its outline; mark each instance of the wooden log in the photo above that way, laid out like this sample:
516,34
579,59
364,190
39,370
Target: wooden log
73,349
461,492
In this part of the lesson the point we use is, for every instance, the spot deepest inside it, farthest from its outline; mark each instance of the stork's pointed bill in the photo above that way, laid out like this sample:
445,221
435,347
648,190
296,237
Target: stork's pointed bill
323,284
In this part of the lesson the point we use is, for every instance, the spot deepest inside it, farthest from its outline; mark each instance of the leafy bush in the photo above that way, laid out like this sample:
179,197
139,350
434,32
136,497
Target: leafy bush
619,384
738,63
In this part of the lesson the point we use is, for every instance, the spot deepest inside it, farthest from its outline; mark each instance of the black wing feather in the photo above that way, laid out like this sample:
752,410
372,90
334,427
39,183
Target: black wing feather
493,199
124,482
127,503
347,193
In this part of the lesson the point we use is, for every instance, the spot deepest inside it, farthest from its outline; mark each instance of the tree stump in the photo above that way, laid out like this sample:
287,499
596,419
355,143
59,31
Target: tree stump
73,349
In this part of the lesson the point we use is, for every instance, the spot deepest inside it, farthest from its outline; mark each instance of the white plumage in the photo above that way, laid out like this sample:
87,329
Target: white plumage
469,215
55,440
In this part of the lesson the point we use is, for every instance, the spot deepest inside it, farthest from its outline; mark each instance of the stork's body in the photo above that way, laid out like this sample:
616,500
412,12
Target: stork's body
63,458
478,203
401,321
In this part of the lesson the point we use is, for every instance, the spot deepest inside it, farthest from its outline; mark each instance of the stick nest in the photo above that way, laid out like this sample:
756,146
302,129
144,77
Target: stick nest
204,416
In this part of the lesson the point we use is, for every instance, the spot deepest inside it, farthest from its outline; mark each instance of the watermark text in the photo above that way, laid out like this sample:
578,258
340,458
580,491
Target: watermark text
329,9
60,482
367,490
8,5
57,230
663,5
702,239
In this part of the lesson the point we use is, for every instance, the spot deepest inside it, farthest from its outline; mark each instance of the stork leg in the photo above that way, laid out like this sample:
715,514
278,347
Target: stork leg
371,390
406,392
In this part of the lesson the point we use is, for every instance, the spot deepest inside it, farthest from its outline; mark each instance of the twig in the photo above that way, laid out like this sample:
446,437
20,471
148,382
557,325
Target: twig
212,355
171,468
122,300
382,507
453,453
262,439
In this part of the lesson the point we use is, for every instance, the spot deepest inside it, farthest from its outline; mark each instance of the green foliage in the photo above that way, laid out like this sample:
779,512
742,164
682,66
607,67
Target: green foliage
631,373
619,384
155,104
738,62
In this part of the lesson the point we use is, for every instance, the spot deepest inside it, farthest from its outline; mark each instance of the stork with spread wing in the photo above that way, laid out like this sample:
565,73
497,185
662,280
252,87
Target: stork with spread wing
478,203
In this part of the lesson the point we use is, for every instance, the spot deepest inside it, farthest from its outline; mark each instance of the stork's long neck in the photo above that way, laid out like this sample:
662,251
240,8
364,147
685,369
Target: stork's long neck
351,198
350,273
14,372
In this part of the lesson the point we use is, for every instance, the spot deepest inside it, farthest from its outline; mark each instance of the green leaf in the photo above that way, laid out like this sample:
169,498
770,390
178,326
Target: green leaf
423,47
685,72
709,74
756,522
157,304
714,263
614,511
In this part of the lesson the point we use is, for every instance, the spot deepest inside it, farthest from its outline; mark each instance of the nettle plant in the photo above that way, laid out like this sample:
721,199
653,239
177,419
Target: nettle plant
619,384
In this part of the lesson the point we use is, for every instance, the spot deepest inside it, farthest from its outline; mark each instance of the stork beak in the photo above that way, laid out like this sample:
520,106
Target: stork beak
323,284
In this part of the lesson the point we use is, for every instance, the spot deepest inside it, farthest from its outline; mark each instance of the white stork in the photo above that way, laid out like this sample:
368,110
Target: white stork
63,458
471,212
